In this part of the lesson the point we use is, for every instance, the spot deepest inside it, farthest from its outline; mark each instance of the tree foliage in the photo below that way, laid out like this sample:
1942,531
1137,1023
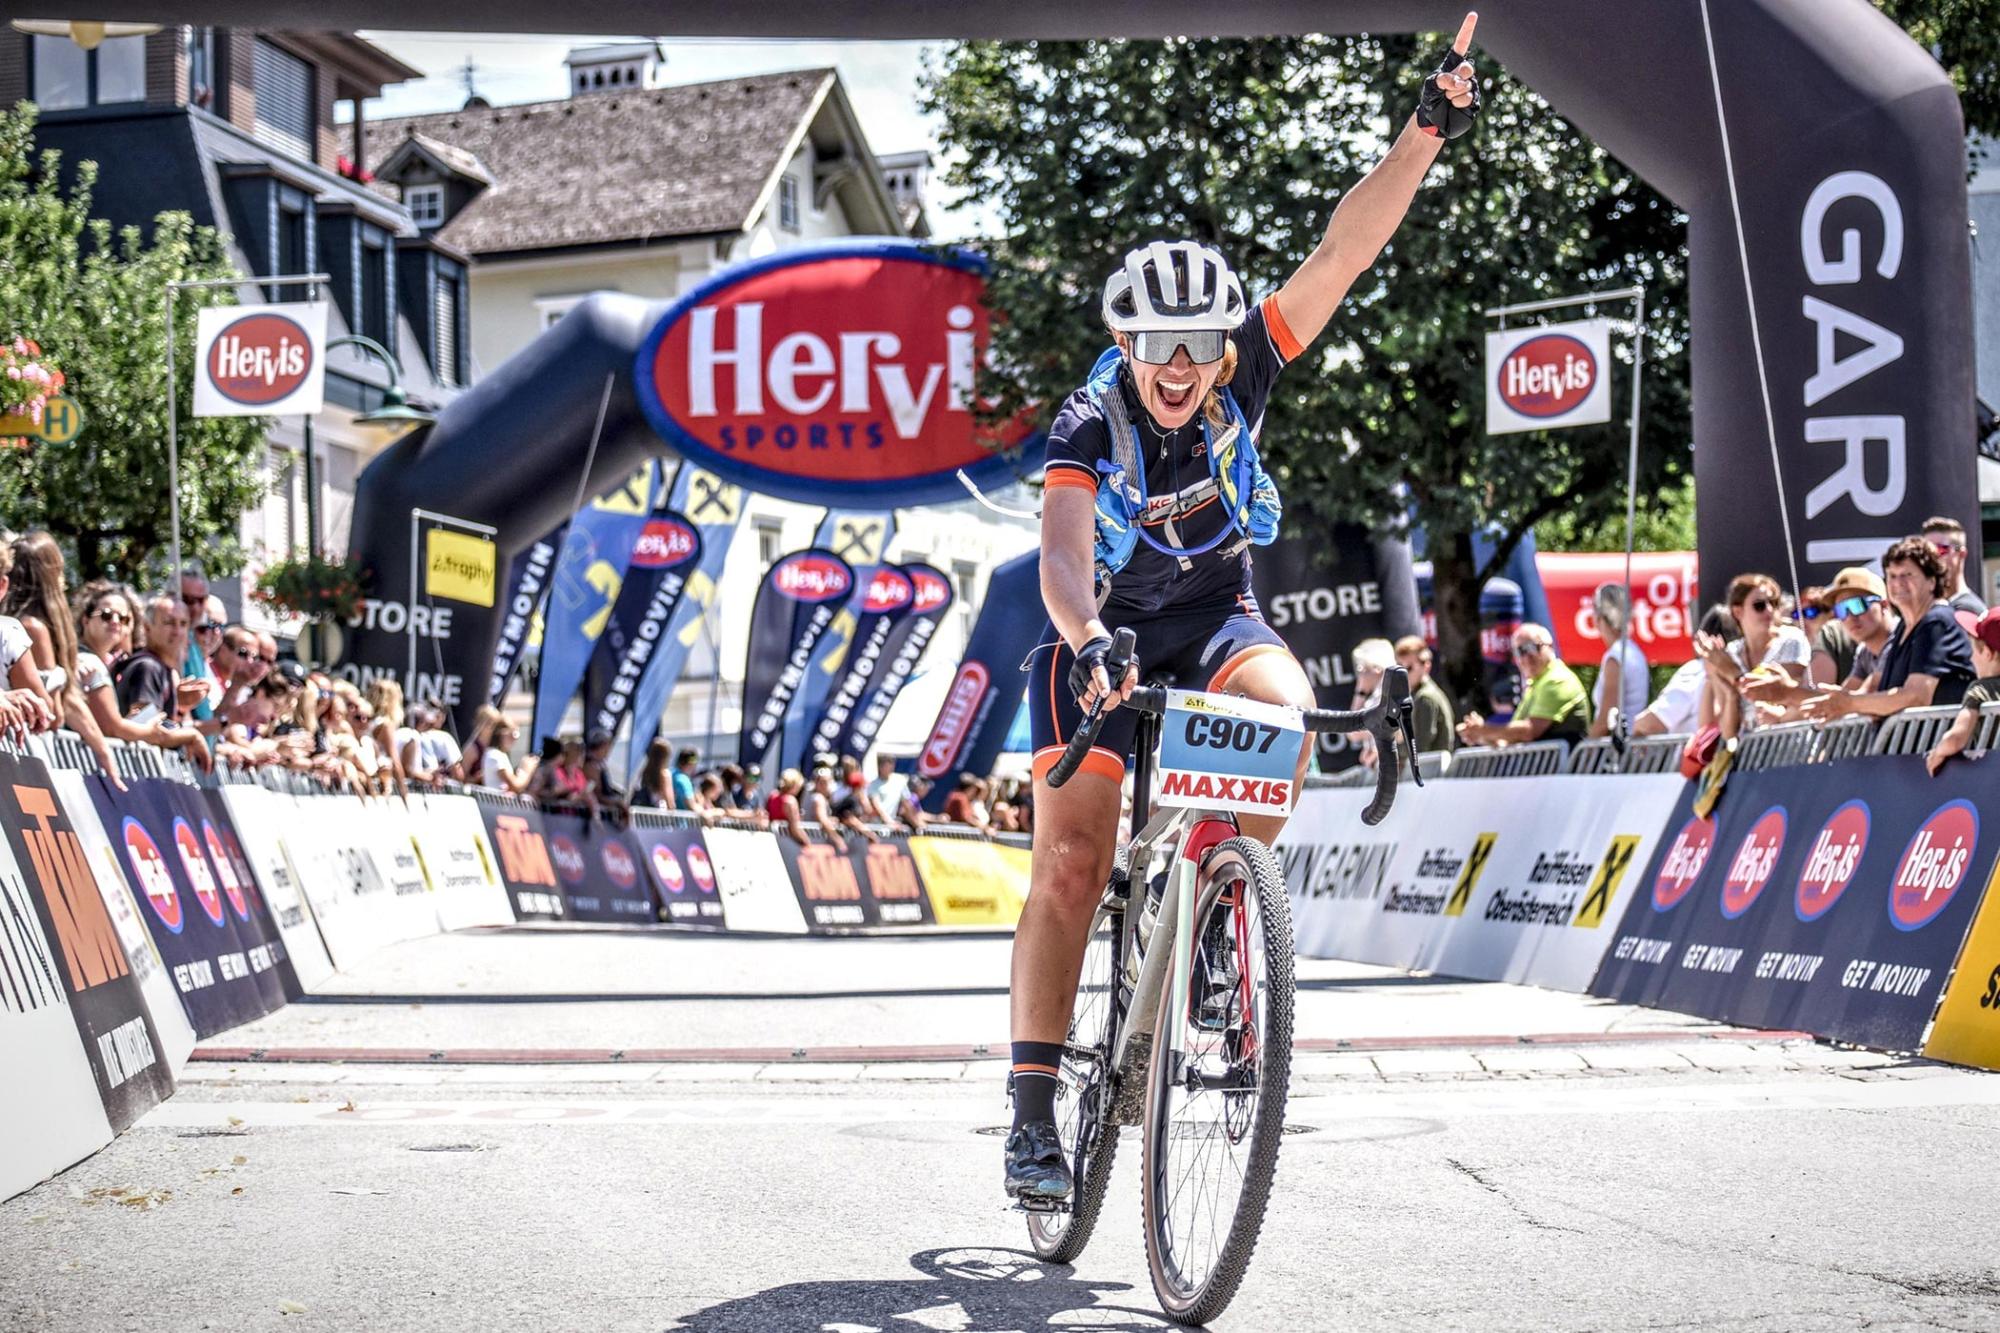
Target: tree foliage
1964,36
95,301
1084,149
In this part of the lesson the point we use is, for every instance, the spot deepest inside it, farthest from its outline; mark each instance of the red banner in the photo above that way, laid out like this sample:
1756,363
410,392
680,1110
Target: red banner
1664,592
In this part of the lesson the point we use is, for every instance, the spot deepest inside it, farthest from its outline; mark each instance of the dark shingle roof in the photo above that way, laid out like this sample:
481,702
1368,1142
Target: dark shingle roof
626,167
449,156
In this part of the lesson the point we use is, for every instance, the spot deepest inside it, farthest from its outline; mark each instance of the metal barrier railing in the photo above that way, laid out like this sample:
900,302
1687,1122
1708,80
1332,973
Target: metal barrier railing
1987,737
1647,754
1511,761
1913,731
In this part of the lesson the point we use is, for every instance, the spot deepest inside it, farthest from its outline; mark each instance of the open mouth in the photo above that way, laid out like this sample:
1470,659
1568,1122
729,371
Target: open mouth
1174,395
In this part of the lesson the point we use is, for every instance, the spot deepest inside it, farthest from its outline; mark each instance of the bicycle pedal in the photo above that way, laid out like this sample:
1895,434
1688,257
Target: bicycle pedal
1051,1207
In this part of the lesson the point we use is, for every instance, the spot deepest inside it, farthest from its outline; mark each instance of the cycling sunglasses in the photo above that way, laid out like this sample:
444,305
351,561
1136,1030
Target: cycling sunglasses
1854,606
1157,348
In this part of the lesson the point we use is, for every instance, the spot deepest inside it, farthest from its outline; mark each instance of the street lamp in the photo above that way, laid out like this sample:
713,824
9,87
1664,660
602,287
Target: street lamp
395,413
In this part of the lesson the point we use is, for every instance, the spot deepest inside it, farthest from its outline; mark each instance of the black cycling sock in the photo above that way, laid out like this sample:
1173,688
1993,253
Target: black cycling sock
1036,1064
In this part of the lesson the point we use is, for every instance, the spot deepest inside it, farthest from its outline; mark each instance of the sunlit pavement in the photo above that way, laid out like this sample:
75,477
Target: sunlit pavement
826,1164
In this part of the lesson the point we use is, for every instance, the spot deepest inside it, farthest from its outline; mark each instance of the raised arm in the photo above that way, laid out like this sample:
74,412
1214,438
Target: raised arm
1369,214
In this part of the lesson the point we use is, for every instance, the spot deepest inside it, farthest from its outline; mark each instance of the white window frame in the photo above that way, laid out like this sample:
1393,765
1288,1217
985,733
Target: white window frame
788,203
433,214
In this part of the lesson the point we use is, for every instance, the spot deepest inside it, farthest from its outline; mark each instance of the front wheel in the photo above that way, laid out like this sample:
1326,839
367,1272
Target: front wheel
1215,1101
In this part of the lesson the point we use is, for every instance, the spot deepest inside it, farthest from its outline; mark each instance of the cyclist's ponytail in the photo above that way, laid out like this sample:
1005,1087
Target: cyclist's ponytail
1211,406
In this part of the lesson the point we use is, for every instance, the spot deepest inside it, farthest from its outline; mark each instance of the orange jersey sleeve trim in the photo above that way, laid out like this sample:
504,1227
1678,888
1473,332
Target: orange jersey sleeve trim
1288,346
1097,760
1060,475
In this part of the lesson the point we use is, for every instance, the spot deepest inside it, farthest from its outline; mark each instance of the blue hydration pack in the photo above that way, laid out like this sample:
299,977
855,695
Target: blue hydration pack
1249,499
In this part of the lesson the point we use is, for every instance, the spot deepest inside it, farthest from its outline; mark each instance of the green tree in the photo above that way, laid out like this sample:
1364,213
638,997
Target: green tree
1964,36
95,301
1082,149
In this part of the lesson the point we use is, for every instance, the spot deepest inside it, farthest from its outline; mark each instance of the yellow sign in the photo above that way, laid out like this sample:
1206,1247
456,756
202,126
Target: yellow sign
972,882
1967,1031
1604,884
460,566
1468,878
710,499
62,421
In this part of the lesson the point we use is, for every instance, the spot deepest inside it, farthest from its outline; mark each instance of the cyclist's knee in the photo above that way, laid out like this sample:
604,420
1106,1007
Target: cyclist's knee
1070,883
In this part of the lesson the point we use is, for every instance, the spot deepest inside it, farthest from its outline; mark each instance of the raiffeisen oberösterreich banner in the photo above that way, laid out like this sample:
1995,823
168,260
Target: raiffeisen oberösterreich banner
1507,879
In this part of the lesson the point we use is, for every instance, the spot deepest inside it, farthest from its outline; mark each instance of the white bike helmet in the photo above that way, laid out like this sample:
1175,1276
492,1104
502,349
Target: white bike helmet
1174,286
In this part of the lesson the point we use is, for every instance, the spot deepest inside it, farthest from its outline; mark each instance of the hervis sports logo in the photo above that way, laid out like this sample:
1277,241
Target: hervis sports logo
1682,864
703,872
260,359
831,373
1547,376
1468,876
198,873
568,858
1831,860
618,864
664,543
812,576
1933,865
890,590
234,886
149,868
668,868
933,590
1756,857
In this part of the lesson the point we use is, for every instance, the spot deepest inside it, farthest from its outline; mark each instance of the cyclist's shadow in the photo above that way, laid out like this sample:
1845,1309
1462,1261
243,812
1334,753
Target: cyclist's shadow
965,1290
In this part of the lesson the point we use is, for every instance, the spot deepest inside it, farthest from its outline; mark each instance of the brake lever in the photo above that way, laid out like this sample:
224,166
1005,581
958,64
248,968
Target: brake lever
1406,724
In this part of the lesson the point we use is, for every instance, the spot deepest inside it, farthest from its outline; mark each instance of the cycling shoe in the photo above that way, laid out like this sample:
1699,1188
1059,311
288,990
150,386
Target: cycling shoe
1035,1166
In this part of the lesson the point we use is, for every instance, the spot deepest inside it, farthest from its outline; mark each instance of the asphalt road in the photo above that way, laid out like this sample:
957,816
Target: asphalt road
1625,1170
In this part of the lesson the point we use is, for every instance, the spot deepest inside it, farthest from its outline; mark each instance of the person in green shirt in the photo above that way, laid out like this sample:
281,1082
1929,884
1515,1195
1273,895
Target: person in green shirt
1432,712
1554,706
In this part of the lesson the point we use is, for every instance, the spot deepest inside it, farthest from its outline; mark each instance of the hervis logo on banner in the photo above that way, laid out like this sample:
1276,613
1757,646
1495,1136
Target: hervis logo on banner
260,360
1468,877
1548,376
839,372
1604,884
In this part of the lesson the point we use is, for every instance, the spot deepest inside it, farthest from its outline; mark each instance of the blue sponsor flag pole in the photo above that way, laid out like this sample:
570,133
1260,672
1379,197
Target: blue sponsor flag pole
715,507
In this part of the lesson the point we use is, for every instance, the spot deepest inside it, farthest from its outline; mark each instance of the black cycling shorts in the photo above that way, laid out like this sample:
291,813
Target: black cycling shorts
1200,649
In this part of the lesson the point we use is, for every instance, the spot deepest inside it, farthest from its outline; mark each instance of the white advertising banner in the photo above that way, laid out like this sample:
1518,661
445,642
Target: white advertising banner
466,888
360,874
50,1112
163,1000
260,818
1548,376
260,360
756,888
1509,879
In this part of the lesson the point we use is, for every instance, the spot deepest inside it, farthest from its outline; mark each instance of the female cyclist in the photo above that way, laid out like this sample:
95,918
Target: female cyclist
1152,500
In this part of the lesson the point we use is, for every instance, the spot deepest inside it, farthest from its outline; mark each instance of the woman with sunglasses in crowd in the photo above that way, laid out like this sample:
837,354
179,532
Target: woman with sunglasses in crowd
106,621
1769,650
1152,498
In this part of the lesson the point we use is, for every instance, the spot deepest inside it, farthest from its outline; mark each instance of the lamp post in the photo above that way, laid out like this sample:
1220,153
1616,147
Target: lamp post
395,412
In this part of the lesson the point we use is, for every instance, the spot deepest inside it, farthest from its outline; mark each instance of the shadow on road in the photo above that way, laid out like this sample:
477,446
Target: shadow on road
971,1290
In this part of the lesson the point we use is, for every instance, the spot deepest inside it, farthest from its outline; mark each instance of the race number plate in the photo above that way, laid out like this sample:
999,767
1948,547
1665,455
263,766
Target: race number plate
1219,752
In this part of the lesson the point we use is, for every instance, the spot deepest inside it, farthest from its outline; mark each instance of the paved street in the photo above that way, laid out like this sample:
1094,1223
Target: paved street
1619,1169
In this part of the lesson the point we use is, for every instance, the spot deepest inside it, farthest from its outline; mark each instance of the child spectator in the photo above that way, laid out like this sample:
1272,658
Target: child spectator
1984,690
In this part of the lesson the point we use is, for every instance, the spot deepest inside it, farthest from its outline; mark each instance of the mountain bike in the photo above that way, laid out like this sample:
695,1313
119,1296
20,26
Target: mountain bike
1183,1013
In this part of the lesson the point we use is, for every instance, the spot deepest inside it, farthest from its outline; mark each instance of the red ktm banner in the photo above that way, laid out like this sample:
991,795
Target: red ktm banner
1664,610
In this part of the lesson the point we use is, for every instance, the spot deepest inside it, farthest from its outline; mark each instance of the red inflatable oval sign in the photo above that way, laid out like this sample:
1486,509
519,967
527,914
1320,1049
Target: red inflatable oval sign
811,576
1547,376
830,373
261,358
663,542
889,590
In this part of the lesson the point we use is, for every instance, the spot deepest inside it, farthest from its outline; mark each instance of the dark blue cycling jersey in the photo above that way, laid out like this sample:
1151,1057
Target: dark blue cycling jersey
1183,510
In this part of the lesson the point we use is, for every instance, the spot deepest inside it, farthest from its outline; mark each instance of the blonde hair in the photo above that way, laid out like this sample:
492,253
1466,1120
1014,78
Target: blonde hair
1211,406
385,696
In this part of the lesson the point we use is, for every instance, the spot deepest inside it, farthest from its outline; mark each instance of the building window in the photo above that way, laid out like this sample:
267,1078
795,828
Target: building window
204,81
284,85
426,204
374,292
67,77
444,324
788,203
770,544
966,577
294,253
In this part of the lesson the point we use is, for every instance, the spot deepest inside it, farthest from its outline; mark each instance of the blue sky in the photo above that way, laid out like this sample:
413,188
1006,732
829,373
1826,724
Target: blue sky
880,77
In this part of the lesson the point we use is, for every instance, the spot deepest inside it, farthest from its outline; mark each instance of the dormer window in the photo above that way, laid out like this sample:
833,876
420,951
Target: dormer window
426,204
788,202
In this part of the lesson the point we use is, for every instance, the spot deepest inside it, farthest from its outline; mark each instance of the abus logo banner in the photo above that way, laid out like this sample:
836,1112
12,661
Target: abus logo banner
257,361
1546,377
955,720
830,373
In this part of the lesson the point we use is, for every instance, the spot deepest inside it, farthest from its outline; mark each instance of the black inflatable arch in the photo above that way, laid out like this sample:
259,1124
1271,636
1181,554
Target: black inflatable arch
1839,206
